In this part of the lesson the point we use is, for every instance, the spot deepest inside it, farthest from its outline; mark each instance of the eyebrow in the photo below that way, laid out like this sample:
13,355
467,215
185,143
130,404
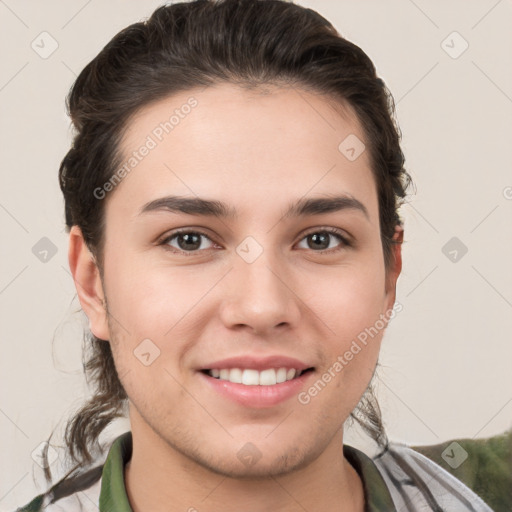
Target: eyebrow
213,208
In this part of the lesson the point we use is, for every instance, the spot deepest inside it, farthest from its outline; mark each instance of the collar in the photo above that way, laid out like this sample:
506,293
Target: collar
113,497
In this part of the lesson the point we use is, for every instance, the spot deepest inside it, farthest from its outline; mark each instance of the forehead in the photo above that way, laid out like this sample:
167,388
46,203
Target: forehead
245,147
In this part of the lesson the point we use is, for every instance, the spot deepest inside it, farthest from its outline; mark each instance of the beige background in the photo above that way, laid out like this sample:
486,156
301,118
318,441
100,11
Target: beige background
446,358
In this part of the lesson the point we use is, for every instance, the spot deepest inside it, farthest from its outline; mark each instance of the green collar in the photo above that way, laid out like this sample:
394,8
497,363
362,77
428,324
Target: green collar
113,497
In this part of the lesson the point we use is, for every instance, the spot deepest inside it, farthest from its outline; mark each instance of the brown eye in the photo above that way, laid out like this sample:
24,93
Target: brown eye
321,240
186,241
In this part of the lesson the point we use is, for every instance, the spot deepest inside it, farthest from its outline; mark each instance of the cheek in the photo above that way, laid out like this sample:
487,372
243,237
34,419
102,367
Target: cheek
347,299
351,308
147,299
153,311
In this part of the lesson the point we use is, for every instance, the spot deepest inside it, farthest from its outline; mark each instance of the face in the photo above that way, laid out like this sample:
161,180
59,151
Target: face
251,295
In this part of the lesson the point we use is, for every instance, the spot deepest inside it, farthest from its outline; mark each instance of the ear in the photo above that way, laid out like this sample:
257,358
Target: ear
395,266
86,276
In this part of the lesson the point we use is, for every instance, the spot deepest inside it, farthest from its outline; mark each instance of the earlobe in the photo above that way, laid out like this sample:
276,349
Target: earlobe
88,283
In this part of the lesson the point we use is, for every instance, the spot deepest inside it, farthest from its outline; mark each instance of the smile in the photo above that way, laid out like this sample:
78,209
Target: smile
251,377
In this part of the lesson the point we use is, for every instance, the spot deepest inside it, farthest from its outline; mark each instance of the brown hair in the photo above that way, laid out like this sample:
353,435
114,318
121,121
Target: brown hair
197,44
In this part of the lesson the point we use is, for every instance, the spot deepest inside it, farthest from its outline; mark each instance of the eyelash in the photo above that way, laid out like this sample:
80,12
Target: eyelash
331,231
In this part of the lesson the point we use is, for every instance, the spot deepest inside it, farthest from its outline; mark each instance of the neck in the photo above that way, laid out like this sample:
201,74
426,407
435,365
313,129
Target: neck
158,478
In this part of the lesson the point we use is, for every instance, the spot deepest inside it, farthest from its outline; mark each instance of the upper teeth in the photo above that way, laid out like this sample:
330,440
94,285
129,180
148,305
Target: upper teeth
254,377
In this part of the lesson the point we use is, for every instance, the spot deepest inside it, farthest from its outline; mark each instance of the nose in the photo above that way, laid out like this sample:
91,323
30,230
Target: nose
260,296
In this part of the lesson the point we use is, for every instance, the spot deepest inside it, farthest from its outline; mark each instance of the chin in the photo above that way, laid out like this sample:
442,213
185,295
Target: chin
245,461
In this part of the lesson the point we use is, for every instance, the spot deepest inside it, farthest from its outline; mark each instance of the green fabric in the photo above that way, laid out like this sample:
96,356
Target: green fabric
113,497
33,506
487,469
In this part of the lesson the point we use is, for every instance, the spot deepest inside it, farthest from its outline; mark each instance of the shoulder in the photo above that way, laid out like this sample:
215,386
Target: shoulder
484,465
418,483
461,474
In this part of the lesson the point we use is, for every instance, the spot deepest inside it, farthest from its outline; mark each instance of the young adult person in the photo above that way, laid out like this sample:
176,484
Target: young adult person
232,196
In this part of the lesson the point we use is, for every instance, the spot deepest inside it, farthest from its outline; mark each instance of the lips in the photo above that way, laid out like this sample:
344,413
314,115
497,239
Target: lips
255,381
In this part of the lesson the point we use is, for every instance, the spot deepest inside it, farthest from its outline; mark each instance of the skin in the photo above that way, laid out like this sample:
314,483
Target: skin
256,152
